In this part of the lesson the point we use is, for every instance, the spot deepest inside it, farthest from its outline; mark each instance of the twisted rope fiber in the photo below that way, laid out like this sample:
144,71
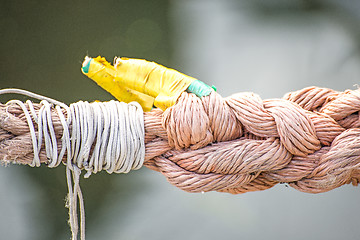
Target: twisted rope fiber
309,139
104,136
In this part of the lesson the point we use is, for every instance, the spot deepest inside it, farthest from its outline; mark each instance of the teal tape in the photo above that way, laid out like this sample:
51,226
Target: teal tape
200,89
86,67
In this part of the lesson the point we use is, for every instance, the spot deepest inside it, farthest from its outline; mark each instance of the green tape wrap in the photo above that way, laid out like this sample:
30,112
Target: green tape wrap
87,66
200,89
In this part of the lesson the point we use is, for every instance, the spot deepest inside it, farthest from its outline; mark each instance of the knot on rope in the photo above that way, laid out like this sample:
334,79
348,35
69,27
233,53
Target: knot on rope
309,140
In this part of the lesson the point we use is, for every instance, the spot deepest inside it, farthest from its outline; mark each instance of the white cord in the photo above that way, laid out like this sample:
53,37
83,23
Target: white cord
104,136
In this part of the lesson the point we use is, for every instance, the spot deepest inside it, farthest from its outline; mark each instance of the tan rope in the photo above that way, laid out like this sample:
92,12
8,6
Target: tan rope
310,139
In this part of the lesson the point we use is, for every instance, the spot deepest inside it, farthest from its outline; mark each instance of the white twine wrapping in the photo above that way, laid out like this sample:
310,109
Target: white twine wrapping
104,136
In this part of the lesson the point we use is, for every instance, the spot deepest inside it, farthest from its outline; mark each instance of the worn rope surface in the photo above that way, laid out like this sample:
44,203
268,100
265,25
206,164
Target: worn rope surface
309,139
95,136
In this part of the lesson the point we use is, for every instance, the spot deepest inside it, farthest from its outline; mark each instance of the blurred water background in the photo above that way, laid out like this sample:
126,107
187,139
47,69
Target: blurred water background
267,47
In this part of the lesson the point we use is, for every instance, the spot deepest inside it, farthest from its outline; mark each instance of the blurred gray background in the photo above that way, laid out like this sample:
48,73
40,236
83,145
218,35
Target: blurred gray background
267,47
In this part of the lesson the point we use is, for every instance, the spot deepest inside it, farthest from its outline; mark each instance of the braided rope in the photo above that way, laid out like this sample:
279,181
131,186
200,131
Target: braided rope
309,139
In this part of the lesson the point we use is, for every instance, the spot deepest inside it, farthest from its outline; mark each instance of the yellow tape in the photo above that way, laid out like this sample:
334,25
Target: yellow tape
138,80
103,74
